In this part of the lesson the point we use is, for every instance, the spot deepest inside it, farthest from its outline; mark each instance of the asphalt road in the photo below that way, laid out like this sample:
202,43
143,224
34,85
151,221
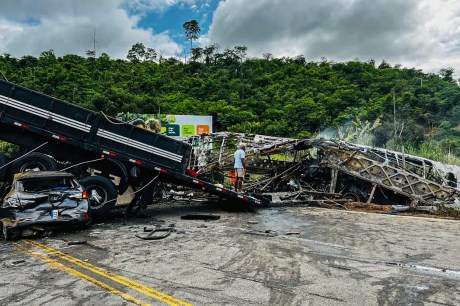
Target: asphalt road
329,257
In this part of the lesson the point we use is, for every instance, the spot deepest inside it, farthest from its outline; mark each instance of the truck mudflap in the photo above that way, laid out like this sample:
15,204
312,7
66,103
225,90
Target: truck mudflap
185,180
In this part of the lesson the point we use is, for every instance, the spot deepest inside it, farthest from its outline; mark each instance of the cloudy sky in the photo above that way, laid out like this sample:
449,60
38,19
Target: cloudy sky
415,33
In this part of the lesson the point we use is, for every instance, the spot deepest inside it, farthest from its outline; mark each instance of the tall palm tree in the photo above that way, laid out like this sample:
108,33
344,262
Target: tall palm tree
192,31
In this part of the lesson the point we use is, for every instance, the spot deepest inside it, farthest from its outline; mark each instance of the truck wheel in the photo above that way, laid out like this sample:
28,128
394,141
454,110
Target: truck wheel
3,161
34,161
102,195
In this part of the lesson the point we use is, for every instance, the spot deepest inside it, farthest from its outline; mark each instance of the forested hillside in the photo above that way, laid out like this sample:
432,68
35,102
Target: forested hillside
276,96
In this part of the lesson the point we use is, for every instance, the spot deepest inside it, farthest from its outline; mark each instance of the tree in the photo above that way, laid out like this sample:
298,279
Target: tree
196,54
208,53
240,52
447,74
384,64
300,59
192,31
161,57
136,53
150,55
91,53
267,56
48,55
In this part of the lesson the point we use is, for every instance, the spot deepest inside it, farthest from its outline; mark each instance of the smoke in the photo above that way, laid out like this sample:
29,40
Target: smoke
356,131
330,133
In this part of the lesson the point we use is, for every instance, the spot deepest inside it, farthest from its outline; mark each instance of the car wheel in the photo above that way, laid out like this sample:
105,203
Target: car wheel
102,194
3,161
34,161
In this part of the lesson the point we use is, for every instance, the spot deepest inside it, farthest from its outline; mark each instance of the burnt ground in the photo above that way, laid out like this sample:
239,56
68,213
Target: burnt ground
330,257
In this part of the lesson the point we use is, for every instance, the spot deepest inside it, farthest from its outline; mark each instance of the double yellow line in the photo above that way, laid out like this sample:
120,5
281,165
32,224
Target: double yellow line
155,294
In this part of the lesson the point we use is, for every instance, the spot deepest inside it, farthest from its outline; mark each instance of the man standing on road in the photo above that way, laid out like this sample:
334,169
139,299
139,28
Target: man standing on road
240,167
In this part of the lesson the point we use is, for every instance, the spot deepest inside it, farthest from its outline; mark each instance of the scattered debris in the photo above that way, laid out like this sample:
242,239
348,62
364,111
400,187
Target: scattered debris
400,208
267,233
292,233
153,231
318,172
47,234
77,242
200,217
368,207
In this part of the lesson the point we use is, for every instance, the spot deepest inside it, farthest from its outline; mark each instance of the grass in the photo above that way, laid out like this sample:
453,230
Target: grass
433,151
450,212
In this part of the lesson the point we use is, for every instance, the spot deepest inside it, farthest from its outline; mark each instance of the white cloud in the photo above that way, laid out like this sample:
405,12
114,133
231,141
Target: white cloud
144,6
424,33
66,26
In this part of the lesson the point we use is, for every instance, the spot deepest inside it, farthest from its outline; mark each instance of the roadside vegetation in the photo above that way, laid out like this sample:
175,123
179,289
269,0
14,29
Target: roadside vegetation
360,101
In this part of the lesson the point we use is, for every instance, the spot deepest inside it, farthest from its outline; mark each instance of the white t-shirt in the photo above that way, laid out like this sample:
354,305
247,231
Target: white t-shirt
239,154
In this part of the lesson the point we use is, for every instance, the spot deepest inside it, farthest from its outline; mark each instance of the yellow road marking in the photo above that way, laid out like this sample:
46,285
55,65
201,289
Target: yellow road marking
78,274
167,299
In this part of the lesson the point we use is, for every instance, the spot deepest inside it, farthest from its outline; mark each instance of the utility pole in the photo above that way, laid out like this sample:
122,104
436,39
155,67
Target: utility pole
94,42
394,111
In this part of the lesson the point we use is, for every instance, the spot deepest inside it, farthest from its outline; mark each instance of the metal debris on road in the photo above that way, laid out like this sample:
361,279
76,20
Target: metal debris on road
292,233
321,172
267,233
77,242
200,217
153,231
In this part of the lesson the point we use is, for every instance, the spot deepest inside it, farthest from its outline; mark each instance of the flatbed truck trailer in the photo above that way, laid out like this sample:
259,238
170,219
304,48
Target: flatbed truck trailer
63,135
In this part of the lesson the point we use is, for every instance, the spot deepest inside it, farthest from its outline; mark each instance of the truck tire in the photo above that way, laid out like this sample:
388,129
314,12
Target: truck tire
102,195
32,161
3,161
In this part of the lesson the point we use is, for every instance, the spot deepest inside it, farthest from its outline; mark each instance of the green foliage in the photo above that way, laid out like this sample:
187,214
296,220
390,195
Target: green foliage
359,132
450,212
8,149
192,32
439,151
289,97
138,52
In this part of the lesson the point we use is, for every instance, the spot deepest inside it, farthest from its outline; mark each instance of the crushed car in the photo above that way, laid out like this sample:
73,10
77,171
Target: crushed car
42,201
